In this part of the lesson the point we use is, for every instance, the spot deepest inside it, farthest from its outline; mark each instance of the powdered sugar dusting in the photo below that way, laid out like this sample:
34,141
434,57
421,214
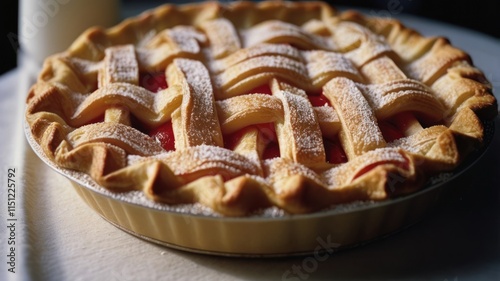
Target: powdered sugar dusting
238,112
276,51
420,142
255,66
180,41
263,49
302,124
371,46
357,117
85,67
387,94
280,168
321,63
123,136
344,174
198,105
116,93
274,31
186,38
206,158
223,37
326,114
120,65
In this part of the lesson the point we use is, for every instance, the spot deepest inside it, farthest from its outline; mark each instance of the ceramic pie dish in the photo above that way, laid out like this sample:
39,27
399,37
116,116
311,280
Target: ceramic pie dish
260,129
270,234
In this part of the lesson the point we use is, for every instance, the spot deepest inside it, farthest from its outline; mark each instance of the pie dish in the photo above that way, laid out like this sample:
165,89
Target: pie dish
248,106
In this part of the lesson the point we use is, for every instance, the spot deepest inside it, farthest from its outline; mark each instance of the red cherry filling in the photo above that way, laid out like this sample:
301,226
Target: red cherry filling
334,152
272,151
403,165
164,135
389,131
153,82
267,133
231,140
262,89
318,100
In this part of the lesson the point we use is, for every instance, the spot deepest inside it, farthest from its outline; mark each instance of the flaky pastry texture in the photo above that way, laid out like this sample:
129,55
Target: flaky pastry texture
90,112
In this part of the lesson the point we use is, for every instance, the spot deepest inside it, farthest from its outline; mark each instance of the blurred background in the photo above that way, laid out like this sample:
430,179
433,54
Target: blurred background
479,15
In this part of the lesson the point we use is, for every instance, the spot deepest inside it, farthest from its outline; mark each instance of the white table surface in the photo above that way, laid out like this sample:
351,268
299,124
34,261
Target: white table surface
59,238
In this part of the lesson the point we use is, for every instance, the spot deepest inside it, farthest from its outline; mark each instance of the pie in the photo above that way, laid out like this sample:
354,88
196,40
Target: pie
245,106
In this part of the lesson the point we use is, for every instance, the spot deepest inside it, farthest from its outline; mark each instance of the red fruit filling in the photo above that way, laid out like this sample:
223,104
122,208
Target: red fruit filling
389,131
402,165
231,140
153,82
272,151
267,133
334,152
262,89
318,100
137,124
164,135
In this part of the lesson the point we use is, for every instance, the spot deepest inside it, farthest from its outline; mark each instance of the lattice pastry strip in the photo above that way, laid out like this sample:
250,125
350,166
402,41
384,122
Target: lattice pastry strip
276,32
195,122
357,43
270,104
298,131
223,37
120,66
360,132
180,41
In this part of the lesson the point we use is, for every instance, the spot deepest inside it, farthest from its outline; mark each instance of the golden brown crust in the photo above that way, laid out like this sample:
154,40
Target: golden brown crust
371,70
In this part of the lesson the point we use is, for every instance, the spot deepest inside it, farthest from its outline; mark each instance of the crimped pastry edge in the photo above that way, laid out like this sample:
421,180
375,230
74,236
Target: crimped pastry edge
482,104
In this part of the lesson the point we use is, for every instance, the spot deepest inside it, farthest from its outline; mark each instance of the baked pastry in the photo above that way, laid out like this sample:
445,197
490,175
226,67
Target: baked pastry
245,106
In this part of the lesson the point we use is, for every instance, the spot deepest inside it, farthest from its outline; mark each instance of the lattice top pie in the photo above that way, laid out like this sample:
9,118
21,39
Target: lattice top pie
245,106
